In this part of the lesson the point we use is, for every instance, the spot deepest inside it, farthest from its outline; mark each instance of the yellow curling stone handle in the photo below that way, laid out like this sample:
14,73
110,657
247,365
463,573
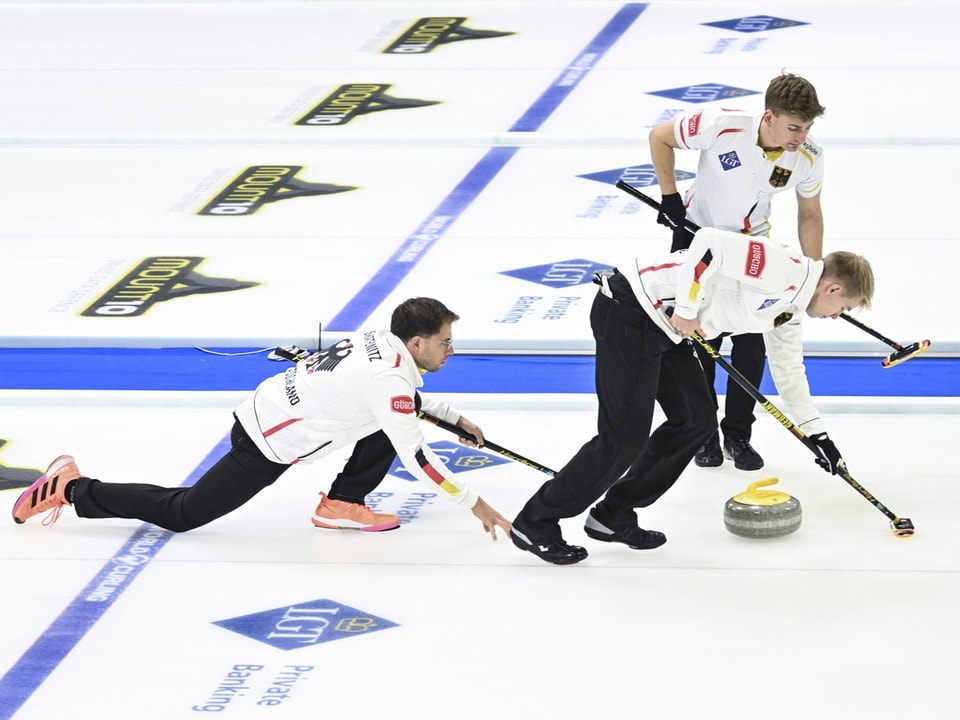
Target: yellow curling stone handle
754,496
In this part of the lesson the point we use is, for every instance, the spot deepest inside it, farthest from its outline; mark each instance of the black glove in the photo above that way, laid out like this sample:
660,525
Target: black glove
828,456
672,212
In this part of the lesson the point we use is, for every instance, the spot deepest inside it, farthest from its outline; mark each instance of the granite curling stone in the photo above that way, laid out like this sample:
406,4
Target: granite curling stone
758,513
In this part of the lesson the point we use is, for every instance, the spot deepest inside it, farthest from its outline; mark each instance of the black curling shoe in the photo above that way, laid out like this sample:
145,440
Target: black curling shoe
633,537
557,552
710,454
743,455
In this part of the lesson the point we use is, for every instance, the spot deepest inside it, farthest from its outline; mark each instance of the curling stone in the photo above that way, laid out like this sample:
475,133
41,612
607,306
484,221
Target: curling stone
758,513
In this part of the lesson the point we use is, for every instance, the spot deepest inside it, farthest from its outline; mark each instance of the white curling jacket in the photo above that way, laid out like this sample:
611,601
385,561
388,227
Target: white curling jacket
736,180
337,396
738,284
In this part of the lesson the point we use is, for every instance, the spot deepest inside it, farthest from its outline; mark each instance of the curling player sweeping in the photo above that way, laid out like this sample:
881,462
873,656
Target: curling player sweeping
643,318
901,527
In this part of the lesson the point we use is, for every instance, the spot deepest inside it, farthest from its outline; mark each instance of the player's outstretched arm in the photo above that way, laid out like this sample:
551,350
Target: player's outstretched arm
490,518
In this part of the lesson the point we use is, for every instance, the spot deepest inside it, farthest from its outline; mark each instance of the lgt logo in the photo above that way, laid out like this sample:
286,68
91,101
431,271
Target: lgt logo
456,457
305,624
729,161
755,23
559,274
705,92
638,176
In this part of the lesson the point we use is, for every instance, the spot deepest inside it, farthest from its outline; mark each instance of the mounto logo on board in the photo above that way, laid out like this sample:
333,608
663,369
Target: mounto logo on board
158,279
428,33
704,92
259,185
354,99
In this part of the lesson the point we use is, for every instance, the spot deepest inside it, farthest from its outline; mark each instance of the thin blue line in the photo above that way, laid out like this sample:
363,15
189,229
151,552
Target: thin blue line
64,633
415,247
578,69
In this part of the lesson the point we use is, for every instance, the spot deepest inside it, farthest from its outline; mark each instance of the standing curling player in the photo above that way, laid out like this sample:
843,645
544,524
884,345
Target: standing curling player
745,159
361,391
641,321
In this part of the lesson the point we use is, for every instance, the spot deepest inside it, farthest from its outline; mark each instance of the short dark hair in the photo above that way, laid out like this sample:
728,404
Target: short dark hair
421,316
792,95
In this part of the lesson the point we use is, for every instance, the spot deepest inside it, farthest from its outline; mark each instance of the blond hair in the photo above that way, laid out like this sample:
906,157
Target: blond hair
853,272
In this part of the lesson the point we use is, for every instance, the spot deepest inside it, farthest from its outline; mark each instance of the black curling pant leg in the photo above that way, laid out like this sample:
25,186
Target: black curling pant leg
229,483
368,464
748,355
681,239
690,419
709,366
628,350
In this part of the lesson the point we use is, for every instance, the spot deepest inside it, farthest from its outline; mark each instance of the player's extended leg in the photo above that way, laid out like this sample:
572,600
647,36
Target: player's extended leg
229,483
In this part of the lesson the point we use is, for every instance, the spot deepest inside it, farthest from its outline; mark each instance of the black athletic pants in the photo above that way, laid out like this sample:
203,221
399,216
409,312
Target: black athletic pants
229,483
637,365
748,355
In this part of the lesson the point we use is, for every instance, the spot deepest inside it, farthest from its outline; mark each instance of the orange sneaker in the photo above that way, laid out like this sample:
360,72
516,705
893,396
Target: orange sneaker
343,515
47,493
